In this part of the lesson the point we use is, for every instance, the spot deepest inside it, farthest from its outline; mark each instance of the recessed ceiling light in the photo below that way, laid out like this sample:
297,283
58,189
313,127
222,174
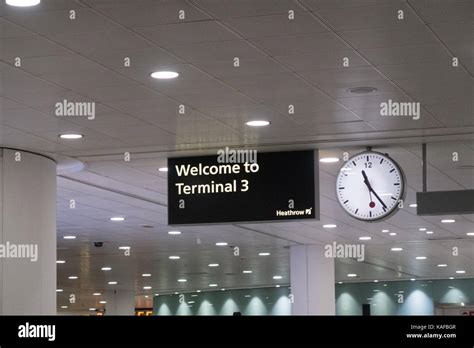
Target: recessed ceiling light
147,287
330,226
73,277
221,243
414,205
470,234
365,238
422,229
442,265
182,280
448,221
362,90
412,279
117,218
329,160
247,271
396,249
451,278
429,232
393,233
92,309
460,272
421,257
198,290
102,302
174,232
69,237
277,286
157,294
106,268
71,136
264,254
339,282
277,277
212,285
257,123
124,247
222,289
174,257
96,294
63,307
385,231
59,290
163,169
376,281
112,283
146,275
60,261
352,275
213,265
164,74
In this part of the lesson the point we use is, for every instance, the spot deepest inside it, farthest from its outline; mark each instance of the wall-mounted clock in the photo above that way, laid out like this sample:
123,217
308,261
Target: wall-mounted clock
370,185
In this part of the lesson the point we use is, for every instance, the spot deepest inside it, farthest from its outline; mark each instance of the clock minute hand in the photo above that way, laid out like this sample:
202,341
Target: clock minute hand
366,181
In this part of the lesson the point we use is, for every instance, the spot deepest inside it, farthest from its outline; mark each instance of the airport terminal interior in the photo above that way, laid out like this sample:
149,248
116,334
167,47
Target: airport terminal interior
99,97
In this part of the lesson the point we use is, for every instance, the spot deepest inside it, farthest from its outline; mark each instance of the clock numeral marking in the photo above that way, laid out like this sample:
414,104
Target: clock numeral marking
368,165
355,164
381,161
392,170
384,209
397,183
341,188
370,213
367,158
356,211
346,201
393,198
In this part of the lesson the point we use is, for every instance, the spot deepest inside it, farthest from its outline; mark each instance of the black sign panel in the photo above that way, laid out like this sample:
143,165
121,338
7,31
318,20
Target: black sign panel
278,186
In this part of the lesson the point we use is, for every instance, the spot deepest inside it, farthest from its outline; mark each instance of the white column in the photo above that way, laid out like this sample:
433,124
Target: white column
312,281
28,221
120,302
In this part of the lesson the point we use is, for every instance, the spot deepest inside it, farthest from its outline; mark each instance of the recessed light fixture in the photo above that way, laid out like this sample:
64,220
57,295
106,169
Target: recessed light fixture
429,232
414,205
157,294
421,257
339,282
147,287
329,160
365,238
277,277
112,283
117,218
124,247
69,237
174,232
173,257
277,286
362,90
448,221
60,261
264,254
213,265
222,289
422,229
470,234
102,302
63,307
397,249
163,169
59,290
96,294
71,136
106,268
393,233
247,271
257,123
442,265
146,275
73,277
412,279
212,285
460,272
221,244
352,275
376,281
385,231
451,278
330,226
198,290
163,75
182,280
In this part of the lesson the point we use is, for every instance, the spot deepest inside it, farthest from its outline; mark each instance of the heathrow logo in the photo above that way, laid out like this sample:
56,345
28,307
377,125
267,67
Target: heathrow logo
292,212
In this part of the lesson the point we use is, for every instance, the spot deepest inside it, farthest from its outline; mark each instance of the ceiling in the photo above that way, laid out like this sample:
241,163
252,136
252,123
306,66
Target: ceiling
282,62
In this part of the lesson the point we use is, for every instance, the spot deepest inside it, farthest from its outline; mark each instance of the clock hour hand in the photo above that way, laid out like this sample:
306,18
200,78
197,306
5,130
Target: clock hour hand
366,181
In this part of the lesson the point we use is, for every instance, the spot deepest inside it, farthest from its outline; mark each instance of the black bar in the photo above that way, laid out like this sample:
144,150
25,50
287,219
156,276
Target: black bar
445,202
423,155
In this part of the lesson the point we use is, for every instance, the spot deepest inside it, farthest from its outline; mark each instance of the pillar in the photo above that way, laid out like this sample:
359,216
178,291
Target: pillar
27,233
120,302
312,281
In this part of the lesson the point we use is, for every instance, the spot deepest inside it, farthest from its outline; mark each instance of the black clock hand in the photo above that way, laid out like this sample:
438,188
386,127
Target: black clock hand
366,181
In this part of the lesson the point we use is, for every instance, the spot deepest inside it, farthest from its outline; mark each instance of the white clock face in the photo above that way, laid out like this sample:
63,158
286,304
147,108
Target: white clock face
369,186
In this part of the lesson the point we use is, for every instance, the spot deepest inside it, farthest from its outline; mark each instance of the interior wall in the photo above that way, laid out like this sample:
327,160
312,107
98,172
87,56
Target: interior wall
261,301
417,297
